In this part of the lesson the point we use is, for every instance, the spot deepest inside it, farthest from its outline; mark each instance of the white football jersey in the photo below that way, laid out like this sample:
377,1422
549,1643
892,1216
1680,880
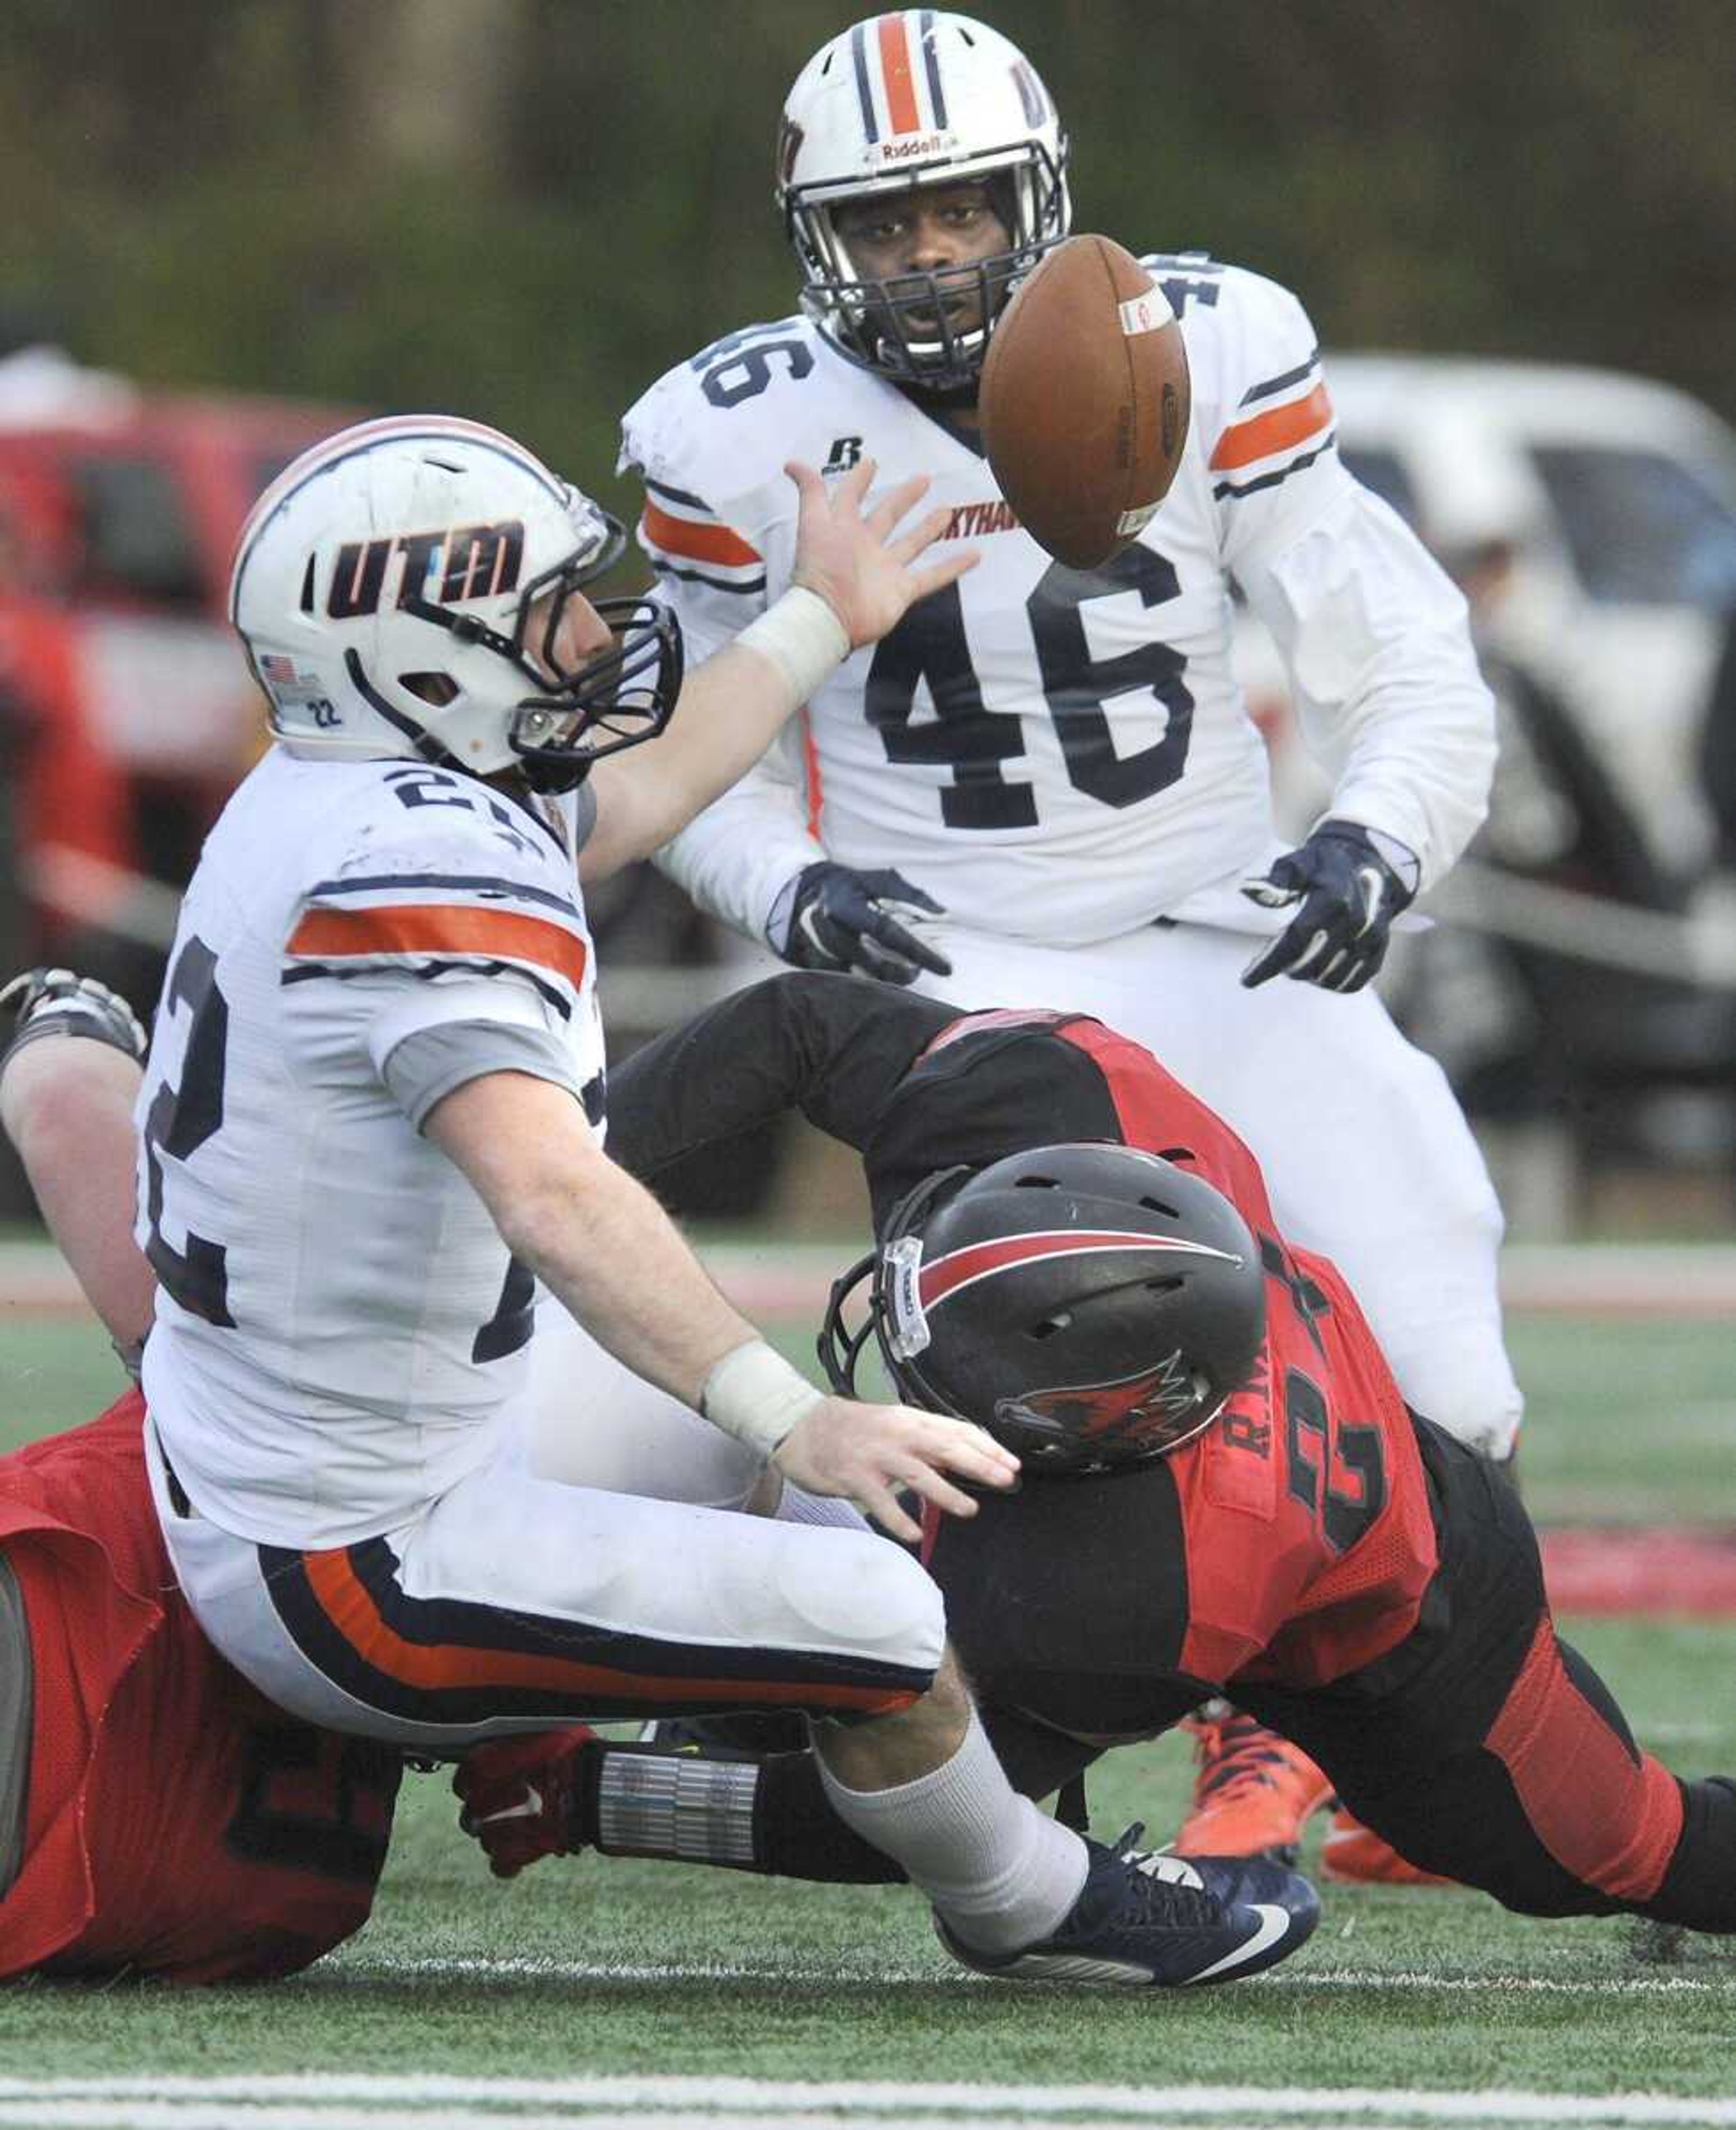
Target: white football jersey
339,1326
1055,754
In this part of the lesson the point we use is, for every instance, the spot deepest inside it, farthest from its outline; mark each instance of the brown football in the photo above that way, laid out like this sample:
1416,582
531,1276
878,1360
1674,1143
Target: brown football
1084,400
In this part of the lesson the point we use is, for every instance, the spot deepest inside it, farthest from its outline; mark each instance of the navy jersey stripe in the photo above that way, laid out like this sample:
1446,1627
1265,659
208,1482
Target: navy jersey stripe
1230,490
666,569
465,883
1267,386
679,495
425,972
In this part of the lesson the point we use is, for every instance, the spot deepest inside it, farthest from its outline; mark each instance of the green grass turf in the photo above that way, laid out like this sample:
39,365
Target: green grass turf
593,1966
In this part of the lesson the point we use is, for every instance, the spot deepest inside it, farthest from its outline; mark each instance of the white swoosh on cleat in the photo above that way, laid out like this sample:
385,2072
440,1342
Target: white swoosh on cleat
1273,1922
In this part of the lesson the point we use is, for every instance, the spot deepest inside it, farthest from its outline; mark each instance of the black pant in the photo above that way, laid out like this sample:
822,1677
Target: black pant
1486,1750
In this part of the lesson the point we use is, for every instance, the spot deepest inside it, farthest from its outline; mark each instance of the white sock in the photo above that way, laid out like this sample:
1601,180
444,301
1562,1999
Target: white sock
795,1506
1001,1874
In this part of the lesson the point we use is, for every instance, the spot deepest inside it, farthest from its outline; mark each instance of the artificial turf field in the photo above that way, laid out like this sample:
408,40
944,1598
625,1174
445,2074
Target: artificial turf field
618,1993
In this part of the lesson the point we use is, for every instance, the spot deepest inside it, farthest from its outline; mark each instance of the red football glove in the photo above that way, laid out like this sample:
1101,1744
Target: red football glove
519,1795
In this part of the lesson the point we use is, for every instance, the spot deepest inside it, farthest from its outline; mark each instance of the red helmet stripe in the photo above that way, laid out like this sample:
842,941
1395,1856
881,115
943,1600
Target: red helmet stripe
962,1269
898,74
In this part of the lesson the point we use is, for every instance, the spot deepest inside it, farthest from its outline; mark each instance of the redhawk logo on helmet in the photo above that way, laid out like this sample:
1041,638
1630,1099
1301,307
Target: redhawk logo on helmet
1104,1417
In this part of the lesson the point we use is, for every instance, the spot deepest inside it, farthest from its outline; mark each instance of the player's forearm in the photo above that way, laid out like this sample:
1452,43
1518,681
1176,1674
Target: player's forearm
597,1240
730,711
831,1046
735,859
610,1254
1388,695
67,1108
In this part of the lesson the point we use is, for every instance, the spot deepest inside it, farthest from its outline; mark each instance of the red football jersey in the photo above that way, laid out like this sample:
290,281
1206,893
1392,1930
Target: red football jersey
1304,1511
1292,1541
178,1825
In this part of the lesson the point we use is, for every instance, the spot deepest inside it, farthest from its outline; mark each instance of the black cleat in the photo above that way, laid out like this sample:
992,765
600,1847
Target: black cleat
1163,1922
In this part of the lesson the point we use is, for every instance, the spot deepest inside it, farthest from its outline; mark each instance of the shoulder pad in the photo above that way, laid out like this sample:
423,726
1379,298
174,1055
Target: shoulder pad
451,875
1259,399
713,431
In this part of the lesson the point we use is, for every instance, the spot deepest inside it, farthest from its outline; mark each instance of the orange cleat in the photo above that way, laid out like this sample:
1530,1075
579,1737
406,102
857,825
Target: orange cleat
1355,1855
1253,1791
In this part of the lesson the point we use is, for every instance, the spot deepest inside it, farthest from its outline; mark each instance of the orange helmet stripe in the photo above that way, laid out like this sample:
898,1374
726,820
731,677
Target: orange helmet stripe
898,74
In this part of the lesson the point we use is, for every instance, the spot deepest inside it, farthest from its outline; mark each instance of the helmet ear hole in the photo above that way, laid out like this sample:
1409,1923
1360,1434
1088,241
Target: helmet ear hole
1051,1326
438,689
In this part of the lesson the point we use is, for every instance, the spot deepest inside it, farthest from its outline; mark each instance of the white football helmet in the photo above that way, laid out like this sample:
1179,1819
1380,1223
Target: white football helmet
917,98
385,585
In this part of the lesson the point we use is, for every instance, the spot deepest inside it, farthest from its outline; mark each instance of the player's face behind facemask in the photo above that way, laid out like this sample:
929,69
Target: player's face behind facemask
415,588
935,267
1092,1307
899,106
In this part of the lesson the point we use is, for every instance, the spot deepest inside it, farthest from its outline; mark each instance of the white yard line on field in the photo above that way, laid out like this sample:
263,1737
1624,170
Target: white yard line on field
337,2102
532,1966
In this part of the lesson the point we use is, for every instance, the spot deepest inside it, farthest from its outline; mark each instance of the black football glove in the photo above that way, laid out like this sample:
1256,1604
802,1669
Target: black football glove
58,1002
1347,884
840,919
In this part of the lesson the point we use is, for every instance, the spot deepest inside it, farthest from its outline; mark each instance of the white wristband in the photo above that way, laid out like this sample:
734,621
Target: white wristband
803,639
756,1395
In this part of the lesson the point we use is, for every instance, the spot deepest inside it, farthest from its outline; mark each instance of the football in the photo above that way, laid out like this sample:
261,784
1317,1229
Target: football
1084,400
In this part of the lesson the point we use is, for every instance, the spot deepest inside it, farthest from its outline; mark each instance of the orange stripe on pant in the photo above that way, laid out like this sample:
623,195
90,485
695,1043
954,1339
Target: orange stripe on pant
431,1667
1244,442
1611,1821
406,927
699,543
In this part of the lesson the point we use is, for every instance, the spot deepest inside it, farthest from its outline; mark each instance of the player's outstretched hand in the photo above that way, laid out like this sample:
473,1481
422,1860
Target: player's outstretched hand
519,1795
843,919
856,560
870,1452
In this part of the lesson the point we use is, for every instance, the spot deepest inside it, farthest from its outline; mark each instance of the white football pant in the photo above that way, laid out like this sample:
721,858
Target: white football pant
1367,1155
515,1602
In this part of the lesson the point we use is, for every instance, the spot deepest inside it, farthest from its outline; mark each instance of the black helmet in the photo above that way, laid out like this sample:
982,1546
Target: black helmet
1090,1306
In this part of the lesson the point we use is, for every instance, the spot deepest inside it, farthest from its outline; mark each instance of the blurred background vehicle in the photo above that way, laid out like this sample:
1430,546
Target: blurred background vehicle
128,710
1583,998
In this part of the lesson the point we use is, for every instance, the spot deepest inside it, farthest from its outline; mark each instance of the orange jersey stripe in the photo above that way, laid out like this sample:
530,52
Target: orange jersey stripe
440,929
895,64
1244,442
810,763
434,1665
703,543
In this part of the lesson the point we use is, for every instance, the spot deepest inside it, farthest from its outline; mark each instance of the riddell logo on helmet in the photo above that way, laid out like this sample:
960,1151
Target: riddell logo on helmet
467,562
907,151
